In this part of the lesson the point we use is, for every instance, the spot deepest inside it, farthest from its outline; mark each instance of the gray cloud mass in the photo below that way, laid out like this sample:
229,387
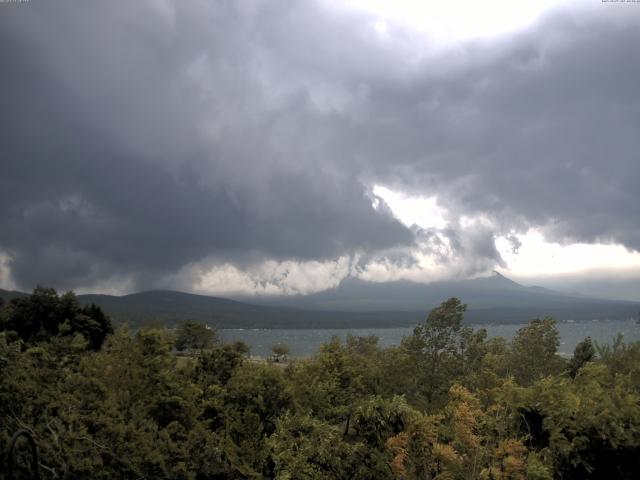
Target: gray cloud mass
138,138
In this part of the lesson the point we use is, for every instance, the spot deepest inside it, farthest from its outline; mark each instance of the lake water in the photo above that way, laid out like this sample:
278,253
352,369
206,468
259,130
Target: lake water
303,342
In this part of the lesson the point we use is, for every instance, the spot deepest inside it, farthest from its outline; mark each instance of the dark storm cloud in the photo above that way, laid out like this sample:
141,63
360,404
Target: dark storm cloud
141,137
137,139
538,131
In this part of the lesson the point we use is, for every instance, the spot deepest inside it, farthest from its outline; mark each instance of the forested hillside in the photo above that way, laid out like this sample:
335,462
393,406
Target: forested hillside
445,404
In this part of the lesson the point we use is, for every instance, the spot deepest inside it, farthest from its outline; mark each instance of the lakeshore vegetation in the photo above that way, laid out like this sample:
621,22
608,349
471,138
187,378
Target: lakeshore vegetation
447,403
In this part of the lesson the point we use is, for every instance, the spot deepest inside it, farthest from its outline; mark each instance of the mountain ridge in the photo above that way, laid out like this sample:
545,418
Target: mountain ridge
356,303
355,294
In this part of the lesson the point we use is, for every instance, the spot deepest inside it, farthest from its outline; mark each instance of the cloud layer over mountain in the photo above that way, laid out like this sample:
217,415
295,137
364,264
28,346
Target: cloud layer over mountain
159,143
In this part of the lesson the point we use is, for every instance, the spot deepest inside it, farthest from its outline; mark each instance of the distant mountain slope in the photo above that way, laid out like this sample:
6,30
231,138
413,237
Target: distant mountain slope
490,299
170,307
359,304
7,295
495,291
165,307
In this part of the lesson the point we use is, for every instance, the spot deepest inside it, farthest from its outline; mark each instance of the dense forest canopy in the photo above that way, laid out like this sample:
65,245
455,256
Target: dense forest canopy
44,314
447,403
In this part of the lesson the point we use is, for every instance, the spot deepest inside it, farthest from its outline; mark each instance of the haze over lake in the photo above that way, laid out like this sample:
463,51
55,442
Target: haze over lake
304,342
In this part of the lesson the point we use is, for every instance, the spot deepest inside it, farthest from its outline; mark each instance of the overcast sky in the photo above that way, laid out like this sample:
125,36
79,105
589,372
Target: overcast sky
279,146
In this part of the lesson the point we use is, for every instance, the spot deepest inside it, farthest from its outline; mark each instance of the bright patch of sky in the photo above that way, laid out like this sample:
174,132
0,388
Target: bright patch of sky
534,256
454,21
422,211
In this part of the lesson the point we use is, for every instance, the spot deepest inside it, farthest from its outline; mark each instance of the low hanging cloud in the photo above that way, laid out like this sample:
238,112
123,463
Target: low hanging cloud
156,143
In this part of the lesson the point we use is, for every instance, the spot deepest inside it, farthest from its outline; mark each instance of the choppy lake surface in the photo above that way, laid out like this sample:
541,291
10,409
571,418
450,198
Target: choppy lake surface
306,342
